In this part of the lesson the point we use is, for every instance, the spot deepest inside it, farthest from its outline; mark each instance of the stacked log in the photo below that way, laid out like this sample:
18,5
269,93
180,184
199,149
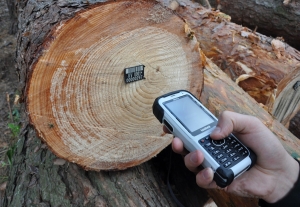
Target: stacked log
267,68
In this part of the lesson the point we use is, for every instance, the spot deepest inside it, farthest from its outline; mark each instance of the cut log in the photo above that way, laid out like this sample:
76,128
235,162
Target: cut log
77,97
276,18
35,180
266,68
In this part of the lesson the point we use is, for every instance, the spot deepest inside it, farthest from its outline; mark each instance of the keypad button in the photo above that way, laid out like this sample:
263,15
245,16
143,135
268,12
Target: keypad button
240,149
220,156
227,164
237,145
232,154
244,153
236,158
233,141
223,160
225,147
216,152
211,148
207,144
202,140
228,150
207,138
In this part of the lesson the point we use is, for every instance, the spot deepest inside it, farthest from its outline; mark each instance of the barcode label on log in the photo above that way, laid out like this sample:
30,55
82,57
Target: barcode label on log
134,73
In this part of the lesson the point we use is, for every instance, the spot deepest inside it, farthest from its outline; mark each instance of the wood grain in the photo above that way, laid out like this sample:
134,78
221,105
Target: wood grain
77,97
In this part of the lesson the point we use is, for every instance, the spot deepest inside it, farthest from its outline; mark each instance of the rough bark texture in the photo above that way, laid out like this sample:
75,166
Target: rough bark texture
294,126
272,17
38,178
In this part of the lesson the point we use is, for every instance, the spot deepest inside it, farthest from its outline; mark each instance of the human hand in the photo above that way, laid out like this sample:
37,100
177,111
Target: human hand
274,173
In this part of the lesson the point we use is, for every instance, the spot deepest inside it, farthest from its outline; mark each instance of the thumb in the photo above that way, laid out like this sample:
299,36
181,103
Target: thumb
248,129
225,126
231,122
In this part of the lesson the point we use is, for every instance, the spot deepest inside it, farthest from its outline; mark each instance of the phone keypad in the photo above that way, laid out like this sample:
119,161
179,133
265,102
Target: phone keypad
227,152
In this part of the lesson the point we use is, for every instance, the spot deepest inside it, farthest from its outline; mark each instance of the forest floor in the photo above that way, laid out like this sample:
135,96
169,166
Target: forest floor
8,88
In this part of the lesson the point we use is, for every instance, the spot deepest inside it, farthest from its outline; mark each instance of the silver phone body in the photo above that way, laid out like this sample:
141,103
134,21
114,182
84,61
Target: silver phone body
190,121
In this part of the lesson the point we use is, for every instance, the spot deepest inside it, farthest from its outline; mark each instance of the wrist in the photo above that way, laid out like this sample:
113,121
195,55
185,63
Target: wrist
285,181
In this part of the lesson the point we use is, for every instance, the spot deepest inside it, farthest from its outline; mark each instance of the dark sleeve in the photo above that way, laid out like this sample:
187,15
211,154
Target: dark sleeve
292,199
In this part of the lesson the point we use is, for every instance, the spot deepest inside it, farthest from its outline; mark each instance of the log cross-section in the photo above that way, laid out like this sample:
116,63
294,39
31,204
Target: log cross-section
77,97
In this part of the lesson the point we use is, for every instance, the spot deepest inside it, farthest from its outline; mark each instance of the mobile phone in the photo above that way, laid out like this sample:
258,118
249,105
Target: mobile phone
186,118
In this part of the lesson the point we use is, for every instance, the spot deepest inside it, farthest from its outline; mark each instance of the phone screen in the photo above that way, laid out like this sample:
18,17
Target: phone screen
190,114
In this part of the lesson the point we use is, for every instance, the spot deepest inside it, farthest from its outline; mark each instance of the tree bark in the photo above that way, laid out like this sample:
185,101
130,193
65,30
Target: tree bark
294,125
276,18
38,178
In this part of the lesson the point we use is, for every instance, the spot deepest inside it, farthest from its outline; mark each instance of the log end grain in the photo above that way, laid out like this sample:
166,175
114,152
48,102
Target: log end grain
77,98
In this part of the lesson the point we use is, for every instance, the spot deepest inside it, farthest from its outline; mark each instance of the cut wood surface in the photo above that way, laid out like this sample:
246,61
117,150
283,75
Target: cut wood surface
266,68
78,100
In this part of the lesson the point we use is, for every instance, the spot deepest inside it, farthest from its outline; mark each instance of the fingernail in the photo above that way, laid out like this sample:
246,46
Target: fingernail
194,158
217,130
206,174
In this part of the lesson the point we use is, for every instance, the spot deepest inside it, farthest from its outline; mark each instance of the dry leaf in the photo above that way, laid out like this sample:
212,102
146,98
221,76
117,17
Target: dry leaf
278,47
3,186
174,5
59,161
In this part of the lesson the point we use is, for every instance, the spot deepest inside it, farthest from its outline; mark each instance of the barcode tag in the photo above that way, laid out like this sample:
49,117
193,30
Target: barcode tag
134,73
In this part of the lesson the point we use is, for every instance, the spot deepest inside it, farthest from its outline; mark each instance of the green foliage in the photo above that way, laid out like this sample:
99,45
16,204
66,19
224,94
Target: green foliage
14,128
3,179
10,153
16,115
